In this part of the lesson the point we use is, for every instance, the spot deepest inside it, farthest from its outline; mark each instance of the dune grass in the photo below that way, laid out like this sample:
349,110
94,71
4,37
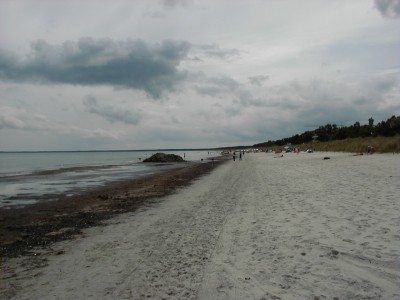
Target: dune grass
357,145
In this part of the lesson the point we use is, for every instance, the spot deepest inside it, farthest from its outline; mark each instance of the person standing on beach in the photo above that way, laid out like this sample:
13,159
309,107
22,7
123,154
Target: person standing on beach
240,155
234,156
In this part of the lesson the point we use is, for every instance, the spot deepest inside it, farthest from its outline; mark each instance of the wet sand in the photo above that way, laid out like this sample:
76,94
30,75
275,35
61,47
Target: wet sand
266,227
41,224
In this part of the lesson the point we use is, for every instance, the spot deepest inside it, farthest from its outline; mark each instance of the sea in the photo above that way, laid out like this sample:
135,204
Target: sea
29,177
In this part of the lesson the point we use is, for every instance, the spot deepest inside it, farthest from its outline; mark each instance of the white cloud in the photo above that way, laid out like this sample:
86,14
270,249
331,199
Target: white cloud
23,120
13,118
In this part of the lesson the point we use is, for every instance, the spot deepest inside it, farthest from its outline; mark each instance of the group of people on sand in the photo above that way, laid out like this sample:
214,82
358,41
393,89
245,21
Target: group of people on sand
241,154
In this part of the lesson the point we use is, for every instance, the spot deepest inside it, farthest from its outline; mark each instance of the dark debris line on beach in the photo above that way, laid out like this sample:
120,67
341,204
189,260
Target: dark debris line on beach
40,225
27,237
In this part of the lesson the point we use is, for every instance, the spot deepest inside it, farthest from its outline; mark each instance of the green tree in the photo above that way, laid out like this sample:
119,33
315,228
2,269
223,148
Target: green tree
371,122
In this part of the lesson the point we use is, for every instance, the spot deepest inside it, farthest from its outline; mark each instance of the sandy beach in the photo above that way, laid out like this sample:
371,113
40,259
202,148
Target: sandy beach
265,227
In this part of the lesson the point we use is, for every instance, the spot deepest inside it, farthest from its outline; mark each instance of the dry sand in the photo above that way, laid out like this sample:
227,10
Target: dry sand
293,227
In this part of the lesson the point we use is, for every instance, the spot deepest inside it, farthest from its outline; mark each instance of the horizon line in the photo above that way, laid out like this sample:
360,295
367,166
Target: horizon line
121,150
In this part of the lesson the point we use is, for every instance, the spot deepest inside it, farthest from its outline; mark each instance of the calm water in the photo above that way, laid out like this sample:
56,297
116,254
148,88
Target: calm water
26,178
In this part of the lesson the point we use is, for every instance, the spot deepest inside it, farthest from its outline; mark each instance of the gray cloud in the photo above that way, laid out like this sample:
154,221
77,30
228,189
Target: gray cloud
388,8
322,102
258,80
214,50
27,121
175,3
216,86
22,123
130,64
111,113
224,85
299,103
310,102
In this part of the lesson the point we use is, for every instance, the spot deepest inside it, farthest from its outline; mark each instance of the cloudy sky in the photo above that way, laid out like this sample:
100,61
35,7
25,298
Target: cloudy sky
80,75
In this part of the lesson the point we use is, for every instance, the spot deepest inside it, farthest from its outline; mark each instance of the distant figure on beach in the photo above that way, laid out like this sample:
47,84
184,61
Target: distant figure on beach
240,155
234,156
371,149
398,147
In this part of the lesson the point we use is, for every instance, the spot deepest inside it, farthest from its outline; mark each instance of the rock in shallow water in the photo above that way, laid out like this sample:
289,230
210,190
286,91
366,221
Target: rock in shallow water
162,157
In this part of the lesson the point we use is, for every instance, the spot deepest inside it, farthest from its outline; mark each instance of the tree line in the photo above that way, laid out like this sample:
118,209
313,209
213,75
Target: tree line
331,132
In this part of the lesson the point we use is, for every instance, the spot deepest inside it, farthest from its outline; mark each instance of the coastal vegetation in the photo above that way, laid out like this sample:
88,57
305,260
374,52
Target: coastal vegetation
384,137
382,144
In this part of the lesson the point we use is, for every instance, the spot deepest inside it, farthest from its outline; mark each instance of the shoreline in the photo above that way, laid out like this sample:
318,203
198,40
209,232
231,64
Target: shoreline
24,229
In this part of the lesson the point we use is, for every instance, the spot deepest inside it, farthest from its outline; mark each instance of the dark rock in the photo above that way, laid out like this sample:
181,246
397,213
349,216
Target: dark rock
334,252
162,157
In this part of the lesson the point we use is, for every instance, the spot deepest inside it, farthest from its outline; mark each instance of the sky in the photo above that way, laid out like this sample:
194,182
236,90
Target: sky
162,74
